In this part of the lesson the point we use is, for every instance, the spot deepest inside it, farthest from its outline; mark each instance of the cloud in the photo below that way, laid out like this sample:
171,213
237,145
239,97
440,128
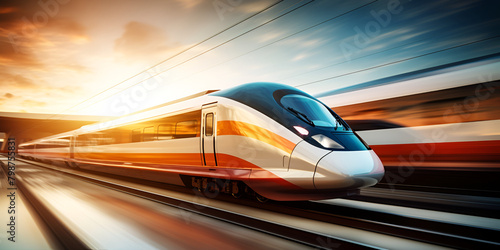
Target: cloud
16,36
188,4
25,36
143,42
299,57
270,36
14,52
32,103
253,6
68,89
26,86
7,10
20,81
75,67
70,29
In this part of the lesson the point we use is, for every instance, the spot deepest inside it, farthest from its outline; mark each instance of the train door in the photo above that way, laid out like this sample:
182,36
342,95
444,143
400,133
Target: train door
72,147
208,134
69,162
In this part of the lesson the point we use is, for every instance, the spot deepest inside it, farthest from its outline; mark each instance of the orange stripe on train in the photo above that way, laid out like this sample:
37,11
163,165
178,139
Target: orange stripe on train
188,159
255,132
180,163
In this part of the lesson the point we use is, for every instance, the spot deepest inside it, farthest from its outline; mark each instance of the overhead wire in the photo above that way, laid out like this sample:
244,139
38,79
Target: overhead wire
213,48
397,61
357,58
288,36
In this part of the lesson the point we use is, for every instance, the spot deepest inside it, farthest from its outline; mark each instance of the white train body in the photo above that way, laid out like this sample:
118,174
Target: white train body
266,136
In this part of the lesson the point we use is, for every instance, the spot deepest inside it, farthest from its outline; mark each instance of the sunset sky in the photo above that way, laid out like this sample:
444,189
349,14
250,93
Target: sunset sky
56,57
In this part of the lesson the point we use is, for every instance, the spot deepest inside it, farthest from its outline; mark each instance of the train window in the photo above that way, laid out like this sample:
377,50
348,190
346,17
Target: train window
32,146
178,126
93,139
118,135
122,135
136,135
186,129
45,144
311,111
55,143
165,132
96,139
148,134
85,140
105,138
80,142
209,124
63,142
109,136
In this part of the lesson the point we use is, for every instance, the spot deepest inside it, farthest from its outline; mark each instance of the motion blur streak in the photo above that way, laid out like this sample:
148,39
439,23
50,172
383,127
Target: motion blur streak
447,114
107,219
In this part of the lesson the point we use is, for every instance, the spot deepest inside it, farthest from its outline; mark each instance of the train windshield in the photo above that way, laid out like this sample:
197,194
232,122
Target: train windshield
311,111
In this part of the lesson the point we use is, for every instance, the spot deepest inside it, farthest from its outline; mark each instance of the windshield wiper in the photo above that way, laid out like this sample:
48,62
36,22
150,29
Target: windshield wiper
299,114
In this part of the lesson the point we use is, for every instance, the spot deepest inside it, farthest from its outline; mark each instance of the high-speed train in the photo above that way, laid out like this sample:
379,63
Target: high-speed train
268,139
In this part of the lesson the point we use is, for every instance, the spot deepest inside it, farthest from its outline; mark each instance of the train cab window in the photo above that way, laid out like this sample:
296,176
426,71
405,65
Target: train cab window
165,132
186,129
136,135
149,134
209,124
311,111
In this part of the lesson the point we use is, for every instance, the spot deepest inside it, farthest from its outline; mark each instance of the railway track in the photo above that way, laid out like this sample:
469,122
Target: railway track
60,235
300,236
433,232
446,234
437,201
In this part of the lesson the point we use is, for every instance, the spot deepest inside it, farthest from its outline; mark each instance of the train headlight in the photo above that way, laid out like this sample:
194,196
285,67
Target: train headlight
327,142
301,130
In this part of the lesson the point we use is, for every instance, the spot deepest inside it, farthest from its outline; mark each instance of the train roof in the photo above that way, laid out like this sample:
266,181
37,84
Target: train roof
264,97
206,92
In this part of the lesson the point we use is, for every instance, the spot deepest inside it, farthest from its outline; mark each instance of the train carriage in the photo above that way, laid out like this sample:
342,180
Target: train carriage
272,139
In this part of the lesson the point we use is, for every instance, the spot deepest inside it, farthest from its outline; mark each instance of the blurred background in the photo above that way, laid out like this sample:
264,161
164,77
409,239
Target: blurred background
418,80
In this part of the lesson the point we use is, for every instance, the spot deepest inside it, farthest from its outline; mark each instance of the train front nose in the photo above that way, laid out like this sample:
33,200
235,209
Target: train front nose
348,169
